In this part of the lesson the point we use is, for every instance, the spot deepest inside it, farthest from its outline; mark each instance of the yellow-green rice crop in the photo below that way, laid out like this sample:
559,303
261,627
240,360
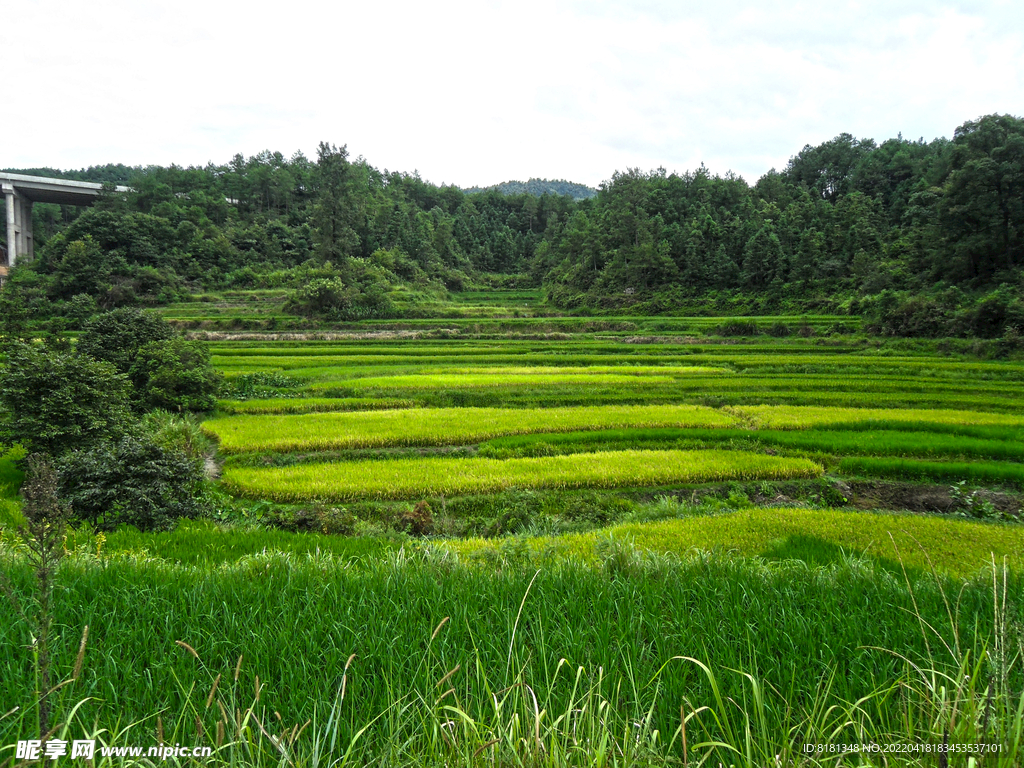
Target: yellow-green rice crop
447,476
800,417
441,426
451,380
624,370
957,547
310,404
528,376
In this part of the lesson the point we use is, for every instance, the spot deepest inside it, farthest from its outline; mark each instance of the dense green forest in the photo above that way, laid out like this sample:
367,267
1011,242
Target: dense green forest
921,238
539,187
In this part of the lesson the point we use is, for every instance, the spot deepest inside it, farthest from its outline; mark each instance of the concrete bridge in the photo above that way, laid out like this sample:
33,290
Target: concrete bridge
21,191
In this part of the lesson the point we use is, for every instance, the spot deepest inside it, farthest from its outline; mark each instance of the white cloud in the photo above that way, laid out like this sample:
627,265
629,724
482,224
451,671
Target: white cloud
480,92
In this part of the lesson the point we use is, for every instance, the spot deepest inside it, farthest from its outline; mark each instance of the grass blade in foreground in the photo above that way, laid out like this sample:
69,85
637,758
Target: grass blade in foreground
444,476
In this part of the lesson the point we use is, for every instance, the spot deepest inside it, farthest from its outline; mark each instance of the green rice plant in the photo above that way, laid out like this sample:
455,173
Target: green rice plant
802,417
422,660
892,401
1002,473
371,429
730,386
484,390
310,405
441,476
893,443
624,370
832,441
201,543
899,364
821,536
441,380
1003,433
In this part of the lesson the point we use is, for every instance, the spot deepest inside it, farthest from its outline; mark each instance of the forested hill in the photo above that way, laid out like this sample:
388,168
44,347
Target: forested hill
922,238
539,187
102,174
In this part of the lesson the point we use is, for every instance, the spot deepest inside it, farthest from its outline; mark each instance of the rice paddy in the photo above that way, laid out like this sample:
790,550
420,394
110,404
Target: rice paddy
820,536
529,540
574,402
446,477
423,426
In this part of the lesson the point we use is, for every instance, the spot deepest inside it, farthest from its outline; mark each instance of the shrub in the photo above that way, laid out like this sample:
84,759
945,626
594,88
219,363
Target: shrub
314,519
176,375
332,298
56,401
418,521
133,481
179,434
118,335
737,328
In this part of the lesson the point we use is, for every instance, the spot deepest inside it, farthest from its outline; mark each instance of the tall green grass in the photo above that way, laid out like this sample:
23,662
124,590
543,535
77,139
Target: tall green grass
418,660
202,543
11,477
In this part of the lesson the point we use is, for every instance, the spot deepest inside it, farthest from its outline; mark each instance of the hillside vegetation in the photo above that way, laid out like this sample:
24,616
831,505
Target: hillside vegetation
394,474
919,238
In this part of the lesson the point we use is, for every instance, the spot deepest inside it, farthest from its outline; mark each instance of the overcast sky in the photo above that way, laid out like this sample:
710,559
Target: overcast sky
474,93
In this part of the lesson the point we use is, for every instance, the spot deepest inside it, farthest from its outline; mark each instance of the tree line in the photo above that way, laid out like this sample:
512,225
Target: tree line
923,238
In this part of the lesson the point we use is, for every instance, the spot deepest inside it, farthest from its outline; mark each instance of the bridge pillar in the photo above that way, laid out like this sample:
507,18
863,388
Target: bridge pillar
19,226
19,211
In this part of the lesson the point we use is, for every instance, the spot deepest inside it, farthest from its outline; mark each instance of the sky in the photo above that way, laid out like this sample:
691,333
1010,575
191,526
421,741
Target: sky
479,92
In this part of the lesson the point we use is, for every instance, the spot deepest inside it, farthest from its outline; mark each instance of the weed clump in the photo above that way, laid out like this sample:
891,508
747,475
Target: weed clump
418,521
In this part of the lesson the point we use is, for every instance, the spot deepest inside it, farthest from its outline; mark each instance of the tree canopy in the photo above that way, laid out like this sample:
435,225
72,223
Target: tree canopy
841,224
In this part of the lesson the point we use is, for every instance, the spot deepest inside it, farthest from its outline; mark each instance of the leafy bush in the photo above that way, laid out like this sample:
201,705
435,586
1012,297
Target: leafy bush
418,521
176,375
133,481
353,297
58,401
180,434
118,335
318,518
973,504
737,328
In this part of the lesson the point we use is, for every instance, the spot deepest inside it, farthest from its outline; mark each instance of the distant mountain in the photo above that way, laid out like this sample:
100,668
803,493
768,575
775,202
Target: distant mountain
539,187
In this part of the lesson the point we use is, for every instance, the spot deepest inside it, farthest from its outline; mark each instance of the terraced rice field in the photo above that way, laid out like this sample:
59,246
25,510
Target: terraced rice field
856,408
441,426
526,540
447,477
